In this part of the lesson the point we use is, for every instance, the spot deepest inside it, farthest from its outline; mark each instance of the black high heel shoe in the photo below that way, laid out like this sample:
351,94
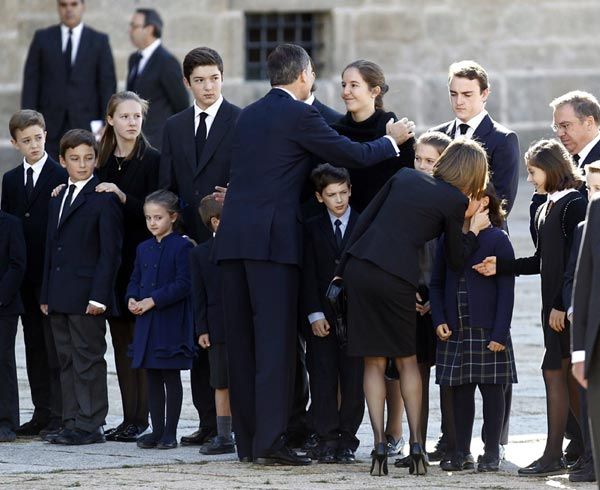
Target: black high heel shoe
379,456
418,460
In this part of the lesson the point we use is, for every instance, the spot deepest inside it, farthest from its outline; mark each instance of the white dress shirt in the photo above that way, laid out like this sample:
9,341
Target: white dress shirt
585,151
146,53
473,124
37,168
75,39
211,113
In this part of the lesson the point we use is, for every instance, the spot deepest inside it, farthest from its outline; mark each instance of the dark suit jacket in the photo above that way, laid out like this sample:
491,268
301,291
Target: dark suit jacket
83,253
586,291
572,266
33,214
12,264
491,299
502,148
411,209
160,83
321,256
178,170
592,156
84,96
330,115
209,315
273,148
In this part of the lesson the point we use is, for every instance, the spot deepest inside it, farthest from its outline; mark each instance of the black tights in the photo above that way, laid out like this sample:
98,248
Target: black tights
463,400
160,380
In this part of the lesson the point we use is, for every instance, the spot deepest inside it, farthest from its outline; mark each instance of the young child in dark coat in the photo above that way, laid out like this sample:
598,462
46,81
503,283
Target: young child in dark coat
159,294
209,323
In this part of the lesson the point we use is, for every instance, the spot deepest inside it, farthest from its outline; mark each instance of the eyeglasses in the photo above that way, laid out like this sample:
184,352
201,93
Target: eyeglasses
564,126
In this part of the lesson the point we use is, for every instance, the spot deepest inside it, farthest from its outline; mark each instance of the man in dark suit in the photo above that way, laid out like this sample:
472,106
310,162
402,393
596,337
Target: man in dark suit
586,323
154,74
196,154
69,74
26,193
83,254
259,245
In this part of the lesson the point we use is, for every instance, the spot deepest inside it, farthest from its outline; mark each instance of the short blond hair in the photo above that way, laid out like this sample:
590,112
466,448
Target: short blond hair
593,168
464,165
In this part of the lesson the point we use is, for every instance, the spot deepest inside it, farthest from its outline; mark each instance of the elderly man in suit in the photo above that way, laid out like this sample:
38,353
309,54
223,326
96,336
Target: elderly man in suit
154,73
69,75
259,245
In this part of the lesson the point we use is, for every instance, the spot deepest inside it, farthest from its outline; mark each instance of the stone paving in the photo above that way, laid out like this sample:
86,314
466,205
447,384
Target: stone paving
32,464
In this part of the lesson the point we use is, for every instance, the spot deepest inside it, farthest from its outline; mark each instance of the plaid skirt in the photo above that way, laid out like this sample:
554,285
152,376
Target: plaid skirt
464,358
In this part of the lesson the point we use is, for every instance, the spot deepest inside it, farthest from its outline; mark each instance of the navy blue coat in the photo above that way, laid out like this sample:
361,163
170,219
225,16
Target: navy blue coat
12,264
491,299
502,148
83,254
165,332
272,154
209,316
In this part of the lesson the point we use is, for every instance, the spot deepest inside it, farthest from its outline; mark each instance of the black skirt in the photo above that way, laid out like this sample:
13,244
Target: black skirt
381,312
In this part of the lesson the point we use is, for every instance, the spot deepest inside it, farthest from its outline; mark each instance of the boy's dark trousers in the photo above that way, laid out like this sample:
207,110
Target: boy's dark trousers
81,346
327,365
203,396
9,393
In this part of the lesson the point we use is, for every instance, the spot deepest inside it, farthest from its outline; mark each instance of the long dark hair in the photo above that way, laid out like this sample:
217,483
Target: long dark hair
552,157
496,207
108,142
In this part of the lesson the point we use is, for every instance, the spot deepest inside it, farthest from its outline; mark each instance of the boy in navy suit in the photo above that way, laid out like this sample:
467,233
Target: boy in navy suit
25,194
83,253
328,364
12,270
209,320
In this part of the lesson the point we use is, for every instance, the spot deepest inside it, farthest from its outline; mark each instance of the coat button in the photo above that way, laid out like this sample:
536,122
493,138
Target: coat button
337,261
27,215
59,249
155,266
58,269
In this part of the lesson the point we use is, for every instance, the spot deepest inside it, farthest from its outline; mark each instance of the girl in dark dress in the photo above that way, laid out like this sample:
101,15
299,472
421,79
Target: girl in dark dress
551,171
159,295
127,166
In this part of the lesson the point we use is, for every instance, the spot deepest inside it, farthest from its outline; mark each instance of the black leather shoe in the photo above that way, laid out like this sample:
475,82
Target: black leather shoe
219,445
31,428
538,468
310,443
488,463
402,462
147,441
585,474
573,451
128,434
576,466
78,437
167,444
344,455
284,456
327,455
51,436
459,462
201,436
110,434
439,453
55,425
7,434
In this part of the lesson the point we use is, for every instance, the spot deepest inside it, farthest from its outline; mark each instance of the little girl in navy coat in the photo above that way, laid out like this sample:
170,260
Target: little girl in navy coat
159,295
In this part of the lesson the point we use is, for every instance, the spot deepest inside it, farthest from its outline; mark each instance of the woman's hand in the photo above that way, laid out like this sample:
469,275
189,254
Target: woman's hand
110,187
487,267
443,332
480,220
496,347
56,191
422,308
204,341
145,305
557,320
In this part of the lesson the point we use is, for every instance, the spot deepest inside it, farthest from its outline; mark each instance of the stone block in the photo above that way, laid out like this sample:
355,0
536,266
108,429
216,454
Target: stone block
388,25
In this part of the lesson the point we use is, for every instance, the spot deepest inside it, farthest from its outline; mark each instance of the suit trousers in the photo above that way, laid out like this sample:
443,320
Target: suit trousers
132,382
298,429
593,404
203,395
9,390
81,346
330,367
261,328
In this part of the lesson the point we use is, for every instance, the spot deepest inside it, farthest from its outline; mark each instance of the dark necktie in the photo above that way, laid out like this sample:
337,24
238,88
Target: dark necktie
133,74
338,233
200,136
68,53
67,204
576,159
29,184
463,128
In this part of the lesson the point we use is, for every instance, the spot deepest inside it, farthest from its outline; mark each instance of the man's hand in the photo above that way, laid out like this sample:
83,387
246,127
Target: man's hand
443,332
480,220
44,309
320,328
94,310
204,341
557,320
487,267
496,347
577,368
220,193
401,130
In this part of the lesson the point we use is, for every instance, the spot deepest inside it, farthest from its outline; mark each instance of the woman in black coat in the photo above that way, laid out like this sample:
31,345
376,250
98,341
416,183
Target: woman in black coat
380,267
128,166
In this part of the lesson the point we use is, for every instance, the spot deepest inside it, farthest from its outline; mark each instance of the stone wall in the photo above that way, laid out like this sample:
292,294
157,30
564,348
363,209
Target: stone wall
534,50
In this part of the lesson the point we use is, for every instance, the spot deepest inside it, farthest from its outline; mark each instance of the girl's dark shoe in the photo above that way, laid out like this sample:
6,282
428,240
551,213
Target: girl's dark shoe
459,462
148,441
379,459
172,444
488,463
418,460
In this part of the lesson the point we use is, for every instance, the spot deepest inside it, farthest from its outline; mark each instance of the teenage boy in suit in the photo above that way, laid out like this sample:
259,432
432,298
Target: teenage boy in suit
196,154
83,253
12,270
328,366
210,329
26,193
154,73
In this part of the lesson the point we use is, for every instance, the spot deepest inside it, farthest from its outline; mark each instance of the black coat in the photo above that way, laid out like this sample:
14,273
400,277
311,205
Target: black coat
12,264
34,216
330,115
81,98
83,253
178,170
161,84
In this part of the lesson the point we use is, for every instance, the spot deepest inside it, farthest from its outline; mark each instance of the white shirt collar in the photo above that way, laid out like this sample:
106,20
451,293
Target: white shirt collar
473,123
585,151
37,166
148,50
287,91
557,195
310,100
344,218
64,30
75,39
210,110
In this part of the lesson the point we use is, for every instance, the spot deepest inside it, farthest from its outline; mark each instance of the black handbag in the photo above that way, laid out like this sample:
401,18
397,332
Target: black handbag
336,296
